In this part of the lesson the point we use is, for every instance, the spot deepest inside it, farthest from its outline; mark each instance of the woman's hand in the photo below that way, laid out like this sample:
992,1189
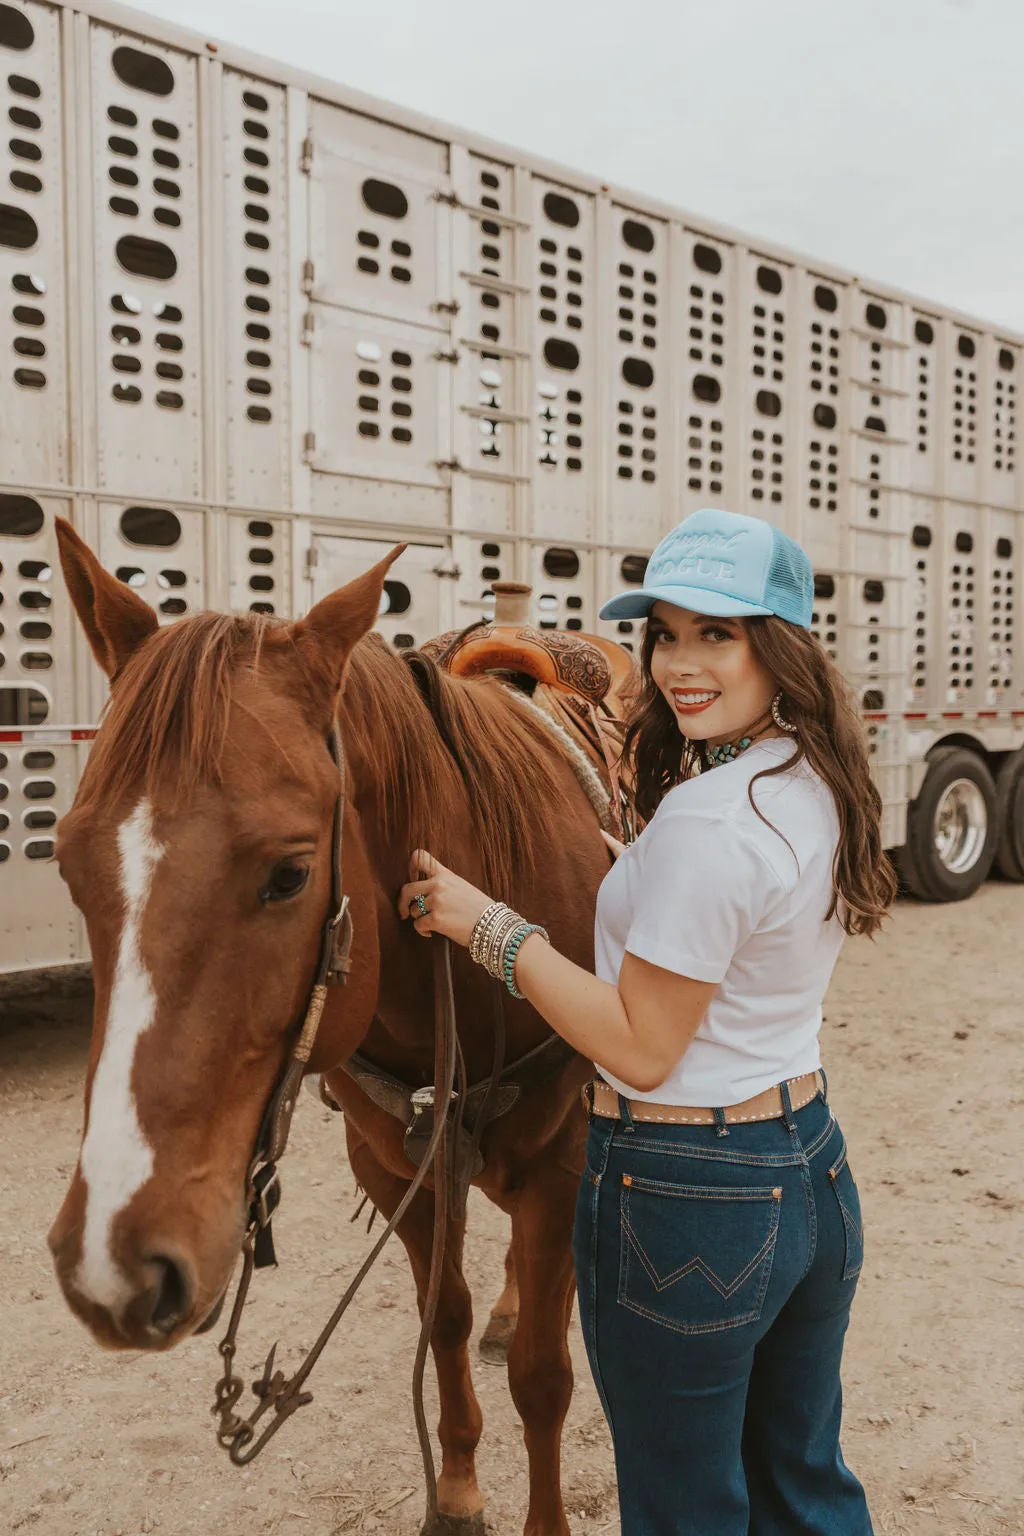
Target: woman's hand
451,904
614,846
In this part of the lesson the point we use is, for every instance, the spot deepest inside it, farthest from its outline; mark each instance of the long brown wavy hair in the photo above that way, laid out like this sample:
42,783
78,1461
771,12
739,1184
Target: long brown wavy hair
829,735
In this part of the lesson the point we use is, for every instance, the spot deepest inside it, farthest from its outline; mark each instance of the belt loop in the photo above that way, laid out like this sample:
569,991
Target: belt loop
824,1084
721,1129
787,1107
587,1095
624,1115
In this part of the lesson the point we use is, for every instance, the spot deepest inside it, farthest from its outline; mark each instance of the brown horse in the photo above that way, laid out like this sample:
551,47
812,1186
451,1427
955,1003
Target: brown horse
198,849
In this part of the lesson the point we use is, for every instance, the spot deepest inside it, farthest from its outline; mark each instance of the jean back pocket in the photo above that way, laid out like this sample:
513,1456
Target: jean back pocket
842,1182
696,1258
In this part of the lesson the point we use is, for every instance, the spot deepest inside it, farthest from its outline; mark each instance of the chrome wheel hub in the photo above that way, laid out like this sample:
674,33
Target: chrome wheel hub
961,826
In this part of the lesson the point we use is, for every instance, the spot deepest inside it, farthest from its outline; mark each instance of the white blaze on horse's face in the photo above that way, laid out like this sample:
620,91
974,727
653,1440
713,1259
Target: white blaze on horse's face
116,1159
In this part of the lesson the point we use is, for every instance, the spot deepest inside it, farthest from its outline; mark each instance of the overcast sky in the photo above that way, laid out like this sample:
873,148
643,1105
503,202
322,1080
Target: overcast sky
884,135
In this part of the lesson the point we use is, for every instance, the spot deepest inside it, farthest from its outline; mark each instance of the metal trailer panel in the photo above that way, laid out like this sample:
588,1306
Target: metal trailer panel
347,324
707,348
36,673
641,349
380,230
565,403
159,552
377,109
259,564
413,607
39,925
489,307
381,407
250,216
142,126
563,586
33,378
479,560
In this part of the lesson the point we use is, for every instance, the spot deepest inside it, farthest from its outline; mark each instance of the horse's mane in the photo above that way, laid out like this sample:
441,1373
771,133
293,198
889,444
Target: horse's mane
166,720
415,723
420,739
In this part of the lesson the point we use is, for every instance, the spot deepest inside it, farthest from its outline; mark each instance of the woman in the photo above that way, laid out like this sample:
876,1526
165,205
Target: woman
718,1234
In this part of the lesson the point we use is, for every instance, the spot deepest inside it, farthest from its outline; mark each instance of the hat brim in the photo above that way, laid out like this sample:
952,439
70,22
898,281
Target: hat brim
637,605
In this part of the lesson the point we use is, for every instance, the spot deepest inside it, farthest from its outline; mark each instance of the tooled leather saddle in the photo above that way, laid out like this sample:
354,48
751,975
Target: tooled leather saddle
582,683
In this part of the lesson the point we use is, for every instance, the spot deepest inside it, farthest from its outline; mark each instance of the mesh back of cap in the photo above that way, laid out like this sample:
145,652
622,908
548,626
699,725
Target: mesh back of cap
790,590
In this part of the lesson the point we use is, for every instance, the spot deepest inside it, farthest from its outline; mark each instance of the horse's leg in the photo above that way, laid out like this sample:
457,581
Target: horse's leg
501,1325
539,1368
459,1499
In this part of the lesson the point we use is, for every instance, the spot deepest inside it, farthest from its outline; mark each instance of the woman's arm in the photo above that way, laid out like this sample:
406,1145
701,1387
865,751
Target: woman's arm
637,1030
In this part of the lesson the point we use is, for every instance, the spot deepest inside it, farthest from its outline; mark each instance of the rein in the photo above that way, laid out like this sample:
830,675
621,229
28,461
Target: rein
275,1393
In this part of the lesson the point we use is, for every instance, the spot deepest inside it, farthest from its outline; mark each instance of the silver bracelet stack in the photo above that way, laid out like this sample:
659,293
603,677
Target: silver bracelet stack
497,937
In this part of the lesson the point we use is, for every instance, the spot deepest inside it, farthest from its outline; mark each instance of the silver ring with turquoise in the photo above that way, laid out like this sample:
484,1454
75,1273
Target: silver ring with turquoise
420,903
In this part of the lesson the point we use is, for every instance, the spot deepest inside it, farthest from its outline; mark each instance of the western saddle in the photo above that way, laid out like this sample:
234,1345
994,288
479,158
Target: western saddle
581,684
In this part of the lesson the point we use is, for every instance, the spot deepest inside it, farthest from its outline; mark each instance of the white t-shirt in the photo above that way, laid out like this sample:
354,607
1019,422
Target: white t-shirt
709,891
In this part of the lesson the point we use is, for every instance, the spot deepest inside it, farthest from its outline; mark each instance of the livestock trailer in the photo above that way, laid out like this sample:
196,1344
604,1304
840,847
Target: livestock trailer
256,327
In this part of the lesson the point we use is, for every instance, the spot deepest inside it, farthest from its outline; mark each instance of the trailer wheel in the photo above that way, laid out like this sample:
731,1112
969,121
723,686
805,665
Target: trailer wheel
1010,804
951,828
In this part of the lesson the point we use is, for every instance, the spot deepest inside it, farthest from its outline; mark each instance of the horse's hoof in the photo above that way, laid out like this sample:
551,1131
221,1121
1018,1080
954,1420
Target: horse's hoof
496,1339
455,1525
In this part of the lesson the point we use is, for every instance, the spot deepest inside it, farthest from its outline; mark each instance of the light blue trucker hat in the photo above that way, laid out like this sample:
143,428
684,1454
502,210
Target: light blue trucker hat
727,566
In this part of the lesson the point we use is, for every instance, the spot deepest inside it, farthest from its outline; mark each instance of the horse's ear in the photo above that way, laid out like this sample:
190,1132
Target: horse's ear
115,620
338,621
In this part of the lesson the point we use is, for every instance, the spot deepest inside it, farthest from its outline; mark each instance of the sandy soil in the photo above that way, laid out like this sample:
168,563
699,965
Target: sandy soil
924,1042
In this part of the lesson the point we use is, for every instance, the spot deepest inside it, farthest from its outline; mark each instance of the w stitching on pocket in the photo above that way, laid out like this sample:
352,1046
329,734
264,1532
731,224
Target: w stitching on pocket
696,1265
853,1224
630,1242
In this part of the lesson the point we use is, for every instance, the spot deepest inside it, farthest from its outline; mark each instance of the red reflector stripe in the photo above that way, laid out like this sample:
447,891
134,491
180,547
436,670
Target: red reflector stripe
49,735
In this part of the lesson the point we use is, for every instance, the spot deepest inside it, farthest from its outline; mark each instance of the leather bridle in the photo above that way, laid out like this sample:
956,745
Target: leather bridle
262,1182
274,1391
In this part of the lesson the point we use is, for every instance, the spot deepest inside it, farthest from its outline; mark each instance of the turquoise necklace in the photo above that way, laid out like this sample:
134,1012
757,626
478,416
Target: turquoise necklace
729,751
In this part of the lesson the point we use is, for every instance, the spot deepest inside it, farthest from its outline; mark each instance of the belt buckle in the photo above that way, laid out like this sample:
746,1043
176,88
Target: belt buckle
587,1096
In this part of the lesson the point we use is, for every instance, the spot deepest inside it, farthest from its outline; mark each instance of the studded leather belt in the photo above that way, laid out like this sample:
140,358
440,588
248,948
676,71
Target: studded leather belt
600,1098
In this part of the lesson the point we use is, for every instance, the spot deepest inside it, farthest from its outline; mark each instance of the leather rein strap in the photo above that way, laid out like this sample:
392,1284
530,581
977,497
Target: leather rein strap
275,1393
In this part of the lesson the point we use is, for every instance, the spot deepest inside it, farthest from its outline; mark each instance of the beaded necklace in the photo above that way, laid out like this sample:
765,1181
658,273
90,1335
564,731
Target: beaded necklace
729,751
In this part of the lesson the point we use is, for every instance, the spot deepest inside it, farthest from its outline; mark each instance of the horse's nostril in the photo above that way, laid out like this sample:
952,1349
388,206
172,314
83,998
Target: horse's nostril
173,1299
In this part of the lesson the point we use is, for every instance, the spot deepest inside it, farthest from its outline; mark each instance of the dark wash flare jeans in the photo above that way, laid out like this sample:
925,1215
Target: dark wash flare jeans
715,1278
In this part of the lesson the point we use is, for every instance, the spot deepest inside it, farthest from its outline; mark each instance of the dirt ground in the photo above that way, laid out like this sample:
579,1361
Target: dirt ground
924,1042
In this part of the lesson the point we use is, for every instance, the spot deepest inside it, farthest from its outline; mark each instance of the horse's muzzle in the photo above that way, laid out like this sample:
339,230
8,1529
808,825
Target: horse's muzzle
211,1319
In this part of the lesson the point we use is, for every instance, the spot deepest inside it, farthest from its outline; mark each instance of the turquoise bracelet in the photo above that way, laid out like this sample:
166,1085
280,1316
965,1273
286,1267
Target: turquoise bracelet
512,948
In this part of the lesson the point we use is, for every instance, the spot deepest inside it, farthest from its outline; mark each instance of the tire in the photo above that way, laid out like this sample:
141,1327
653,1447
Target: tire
1010,817
951,828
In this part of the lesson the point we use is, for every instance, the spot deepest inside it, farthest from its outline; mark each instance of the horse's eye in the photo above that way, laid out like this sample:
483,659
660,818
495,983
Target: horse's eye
286,881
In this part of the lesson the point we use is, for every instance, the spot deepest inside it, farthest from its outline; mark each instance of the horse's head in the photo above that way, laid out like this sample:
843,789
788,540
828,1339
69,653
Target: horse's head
199,850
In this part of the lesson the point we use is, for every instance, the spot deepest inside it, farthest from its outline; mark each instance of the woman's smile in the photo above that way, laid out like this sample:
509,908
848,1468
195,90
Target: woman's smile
693,701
